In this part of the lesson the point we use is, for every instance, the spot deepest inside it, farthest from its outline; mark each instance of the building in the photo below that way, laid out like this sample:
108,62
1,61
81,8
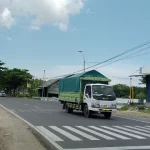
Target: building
145,72
49,88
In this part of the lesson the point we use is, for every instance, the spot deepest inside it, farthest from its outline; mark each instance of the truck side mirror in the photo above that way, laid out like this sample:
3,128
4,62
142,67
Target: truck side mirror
87,95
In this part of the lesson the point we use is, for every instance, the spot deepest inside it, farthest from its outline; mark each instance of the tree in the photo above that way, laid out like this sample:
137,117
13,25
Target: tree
2,68
141,96
121,90
143,80
34,84
14,78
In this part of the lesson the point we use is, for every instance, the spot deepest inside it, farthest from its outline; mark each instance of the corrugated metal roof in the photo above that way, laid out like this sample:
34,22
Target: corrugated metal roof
48,83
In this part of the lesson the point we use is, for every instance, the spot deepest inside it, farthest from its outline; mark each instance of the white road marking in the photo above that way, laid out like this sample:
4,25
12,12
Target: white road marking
39,109
20,110
115,148
49,134
13,110
143,127
123,132
90,137
34,109
96,133
111,133
65,133
133,131
136,128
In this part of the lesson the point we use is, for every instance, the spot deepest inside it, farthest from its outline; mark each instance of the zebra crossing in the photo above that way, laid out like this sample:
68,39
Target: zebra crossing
95,133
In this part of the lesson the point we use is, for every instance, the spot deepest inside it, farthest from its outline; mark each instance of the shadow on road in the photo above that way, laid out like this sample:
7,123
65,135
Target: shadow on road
94,116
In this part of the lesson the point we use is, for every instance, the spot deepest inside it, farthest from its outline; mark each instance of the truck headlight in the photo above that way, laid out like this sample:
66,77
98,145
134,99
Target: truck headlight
95,105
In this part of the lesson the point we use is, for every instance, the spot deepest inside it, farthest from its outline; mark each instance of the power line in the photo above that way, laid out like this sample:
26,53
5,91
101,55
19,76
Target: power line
123,53
128,57
130,54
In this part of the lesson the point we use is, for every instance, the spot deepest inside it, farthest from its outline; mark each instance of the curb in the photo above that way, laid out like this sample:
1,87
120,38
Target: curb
50,144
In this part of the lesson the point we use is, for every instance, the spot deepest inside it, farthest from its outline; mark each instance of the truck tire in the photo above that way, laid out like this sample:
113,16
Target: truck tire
87,112
67,109
107,115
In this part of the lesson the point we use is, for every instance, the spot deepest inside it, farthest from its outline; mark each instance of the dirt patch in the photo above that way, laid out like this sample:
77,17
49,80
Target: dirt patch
15,135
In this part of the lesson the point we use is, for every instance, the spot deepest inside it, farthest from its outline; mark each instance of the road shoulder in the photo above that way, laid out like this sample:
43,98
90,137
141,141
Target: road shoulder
133,115
15,135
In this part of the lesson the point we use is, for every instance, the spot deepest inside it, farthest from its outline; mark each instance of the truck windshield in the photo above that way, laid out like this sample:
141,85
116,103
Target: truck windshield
101,92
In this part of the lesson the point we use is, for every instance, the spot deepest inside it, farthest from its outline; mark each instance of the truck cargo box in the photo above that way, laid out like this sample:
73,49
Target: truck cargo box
71,89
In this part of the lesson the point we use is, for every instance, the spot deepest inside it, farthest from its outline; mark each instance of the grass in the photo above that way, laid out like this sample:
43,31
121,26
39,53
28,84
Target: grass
145,111
139,108
125,108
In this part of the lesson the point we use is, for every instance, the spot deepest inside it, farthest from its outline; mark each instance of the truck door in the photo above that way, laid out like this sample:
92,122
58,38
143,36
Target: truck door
87,93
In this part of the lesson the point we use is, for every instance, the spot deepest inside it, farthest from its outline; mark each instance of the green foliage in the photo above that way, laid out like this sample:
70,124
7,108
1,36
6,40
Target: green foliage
14,78
141,96
34,84
121,90
125,107
143,80
21,95
141,107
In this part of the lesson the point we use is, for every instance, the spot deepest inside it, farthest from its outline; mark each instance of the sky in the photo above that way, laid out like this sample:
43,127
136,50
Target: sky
47,34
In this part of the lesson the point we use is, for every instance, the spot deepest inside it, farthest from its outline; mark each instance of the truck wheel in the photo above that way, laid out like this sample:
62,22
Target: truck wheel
107,115
67,109
87,112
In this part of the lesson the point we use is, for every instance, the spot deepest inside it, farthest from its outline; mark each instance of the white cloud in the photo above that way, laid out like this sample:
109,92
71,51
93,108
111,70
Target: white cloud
41,12
9,38
6,19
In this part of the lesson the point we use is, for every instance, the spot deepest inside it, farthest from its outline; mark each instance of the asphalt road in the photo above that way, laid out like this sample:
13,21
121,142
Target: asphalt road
74,131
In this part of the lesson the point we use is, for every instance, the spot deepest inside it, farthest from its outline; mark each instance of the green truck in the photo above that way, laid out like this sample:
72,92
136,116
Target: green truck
88,92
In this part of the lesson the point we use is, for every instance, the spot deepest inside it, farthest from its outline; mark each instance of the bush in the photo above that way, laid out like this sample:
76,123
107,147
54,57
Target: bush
126,107
20,95
141,107
141,96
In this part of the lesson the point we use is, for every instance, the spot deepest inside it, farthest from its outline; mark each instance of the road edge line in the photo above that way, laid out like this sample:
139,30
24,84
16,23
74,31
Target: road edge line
132,119
40,136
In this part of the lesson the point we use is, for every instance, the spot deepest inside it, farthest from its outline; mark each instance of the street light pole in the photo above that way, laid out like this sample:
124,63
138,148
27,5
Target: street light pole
83,60
43,84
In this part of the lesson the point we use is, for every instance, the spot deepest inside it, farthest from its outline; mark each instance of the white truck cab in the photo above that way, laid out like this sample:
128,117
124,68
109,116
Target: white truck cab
99,98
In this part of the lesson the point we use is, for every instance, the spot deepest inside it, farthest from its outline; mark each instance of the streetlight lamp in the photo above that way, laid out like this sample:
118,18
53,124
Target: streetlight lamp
83,60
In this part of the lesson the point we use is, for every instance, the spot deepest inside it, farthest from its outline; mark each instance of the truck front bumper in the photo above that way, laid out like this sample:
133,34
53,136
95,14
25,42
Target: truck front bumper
102,110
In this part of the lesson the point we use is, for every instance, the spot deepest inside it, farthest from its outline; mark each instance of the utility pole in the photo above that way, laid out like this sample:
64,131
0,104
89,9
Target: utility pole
43,84
83,60
131,91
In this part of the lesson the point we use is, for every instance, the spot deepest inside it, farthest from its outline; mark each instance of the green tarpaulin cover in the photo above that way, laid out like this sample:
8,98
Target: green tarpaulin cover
72,84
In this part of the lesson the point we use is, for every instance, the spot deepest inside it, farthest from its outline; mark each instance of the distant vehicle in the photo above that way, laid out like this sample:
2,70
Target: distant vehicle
2,94
87,94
